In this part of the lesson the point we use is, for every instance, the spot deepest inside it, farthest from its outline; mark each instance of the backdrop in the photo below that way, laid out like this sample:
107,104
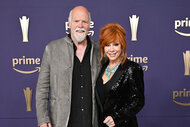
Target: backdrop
157,38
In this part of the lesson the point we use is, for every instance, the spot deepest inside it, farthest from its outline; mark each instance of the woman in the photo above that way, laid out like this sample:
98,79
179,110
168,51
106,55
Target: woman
120,85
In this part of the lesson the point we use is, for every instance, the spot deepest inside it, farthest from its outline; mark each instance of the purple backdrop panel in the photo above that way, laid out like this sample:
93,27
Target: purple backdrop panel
162,46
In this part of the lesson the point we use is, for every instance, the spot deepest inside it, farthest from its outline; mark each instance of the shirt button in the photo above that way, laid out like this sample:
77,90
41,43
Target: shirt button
81,86
82,109
82,97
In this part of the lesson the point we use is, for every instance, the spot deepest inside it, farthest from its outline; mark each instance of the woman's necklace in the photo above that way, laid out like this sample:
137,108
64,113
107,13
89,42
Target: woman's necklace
112,70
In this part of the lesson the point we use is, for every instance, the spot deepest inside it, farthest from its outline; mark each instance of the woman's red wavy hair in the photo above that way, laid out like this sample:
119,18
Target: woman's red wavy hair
113,33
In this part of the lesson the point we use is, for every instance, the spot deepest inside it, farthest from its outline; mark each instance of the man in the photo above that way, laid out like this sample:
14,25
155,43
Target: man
65,88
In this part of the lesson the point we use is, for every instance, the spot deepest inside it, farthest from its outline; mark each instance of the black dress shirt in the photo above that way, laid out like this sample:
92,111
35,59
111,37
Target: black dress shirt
81,101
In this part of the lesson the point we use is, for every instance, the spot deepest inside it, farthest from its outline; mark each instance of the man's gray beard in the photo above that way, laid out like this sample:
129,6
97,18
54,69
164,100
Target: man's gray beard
79,37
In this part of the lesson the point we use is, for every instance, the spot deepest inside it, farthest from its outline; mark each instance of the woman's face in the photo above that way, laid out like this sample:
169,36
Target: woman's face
113,51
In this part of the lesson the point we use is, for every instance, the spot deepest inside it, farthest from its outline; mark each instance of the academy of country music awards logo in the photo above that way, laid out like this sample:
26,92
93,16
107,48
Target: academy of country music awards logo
186,58
134,20
24,23
184,23
28,98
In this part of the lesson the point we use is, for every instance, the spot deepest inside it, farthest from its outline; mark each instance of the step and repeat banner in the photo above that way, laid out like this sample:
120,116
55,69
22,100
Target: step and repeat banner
158,38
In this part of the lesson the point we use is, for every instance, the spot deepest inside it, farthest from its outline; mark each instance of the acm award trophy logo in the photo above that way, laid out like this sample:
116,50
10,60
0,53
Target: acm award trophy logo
134,20
24,22
28,98
186,57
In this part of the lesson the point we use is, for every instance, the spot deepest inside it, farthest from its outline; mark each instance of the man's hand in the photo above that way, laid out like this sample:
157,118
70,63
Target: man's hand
109,121
46,125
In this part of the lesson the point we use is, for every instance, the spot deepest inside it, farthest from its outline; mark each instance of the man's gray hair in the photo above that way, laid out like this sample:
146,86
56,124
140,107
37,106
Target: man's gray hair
70,15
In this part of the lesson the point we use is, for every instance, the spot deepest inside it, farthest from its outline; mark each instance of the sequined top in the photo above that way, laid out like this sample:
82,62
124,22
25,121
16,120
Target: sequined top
126,96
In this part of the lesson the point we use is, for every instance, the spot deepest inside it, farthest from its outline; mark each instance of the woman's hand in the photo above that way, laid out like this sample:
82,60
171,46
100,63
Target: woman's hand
109,121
